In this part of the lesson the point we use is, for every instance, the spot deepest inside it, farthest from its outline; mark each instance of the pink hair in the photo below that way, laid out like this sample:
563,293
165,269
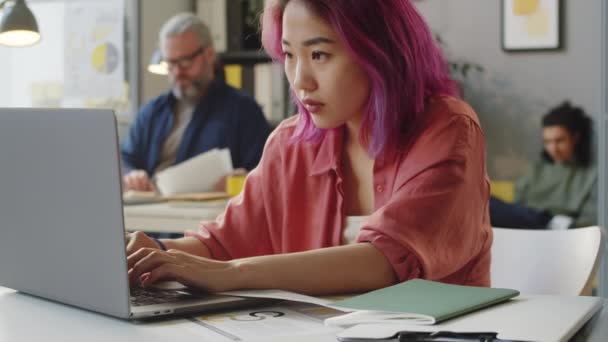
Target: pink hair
390,40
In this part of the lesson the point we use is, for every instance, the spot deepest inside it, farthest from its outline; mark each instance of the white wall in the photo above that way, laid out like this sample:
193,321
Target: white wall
153,14
516,89
5,77
42,62
34,76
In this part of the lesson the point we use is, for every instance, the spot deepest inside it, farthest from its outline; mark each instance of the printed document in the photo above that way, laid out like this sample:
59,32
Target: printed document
197,174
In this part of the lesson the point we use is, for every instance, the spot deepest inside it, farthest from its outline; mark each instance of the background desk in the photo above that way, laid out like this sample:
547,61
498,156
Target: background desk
26,318
171,217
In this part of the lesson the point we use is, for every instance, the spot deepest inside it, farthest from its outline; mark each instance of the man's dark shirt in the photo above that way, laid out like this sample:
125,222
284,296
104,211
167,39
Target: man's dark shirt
224,118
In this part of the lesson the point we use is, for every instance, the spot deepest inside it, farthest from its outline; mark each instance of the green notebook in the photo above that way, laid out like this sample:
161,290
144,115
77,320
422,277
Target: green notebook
417,301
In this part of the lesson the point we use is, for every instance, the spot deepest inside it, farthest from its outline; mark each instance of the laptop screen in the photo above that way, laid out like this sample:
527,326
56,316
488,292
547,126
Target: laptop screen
60,202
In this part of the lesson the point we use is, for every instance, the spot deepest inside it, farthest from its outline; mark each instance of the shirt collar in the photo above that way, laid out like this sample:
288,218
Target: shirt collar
330,152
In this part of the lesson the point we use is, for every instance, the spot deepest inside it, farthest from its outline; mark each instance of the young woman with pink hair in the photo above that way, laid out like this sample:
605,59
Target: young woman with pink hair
380,178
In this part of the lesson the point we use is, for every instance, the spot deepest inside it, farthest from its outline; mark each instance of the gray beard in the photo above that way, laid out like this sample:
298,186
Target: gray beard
191,93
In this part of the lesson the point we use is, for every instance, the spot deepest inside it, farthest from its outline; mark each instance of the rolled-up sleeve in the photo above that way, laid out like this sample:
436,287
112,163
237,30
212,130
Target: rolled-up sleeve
242,230
435,223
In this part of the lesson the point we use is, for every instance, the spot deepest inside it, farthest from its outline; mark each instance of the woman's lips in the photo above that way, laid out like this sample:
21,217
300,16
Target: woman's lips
313,106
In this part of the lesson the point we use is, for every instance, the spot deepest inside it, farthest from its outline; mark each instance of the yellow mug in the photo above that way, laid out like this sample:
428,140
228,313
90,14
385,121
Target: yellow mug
234,184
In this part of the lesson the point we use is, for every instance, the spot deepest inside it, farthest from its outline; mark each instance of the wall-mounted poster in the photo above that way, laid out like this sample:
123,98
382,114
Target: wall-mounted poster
94,49
531,24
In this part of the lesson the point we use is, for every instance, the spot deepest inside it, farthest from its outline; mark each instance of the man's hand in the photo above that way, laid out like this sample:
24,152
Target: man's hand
137,180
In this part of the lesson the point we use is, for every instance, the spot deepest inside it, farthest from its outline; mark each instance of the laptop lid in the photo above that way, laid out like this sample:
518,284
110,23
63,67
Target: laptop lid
62,218
61,209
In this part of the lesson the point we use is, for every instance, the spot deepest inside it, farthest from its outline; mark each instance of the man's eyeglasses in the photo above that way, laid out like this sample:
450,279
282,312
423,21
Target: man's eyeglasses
184,62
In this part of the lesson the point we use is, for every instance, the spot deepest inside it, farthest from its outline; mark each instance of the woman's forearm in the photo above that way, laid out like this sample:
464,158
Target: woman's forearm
344,269
189,244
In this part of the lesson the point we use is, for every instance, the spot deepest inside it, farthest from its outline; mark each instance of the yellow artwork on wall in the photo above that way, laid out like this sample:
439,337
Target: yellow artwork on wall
537,24
524,7
105,58
531,24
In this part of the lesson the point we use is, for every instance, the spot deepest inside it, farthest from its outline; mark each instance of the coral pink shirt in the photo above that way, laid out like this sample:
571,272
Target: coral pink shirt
430,216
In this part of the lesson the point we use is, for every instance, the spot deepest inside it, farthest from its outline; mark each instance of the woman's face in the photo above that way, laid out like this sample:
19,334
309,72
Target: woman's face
559,143
320,69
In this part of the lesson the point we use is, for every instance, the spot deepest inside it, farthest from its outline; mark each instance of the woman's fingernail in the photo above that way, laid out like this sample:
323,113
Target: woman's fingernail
143,280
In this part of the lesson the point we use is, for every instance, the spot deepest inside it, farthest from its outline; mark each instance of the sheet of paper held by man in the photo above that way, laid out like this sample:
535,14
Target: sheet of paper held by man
197,174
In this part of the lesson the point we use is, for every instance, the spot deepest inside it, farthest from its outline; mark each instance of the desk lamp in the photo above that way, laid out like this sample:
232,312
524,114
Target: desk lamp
157,65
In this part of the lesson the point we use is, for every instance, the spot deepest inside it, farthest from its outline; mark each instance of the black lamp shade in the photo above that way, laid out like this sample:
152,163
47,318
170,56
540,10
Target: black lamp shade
157,65
18,26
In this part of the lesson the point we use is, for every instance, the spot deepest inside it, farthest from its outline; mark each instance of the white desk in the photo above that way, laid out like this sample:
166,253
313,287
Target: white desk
26,318
171,217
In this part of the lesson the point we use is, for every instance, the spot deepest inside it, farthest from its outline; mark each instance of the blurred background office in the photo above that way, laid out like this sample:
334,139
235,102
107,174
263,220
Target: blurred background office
95,53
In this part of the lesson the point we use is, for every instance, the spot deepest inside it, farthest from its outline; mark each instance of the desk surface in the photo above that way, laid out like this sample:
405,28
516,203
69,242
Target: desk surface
26,318
171,217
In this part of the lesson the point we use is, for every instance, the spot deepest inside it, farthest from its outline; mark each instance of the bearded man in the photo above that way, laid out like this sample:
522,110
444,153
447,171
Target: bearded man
199,113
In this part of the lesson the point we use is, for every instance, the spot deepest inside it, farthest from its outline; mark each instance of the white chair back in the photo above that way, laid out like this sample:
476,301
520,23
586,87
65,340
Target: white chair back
561,262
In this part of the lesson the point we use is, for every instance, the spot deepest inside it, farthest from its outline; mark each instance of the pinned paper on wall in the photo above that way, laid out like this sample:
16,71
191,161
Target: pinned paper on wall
94,49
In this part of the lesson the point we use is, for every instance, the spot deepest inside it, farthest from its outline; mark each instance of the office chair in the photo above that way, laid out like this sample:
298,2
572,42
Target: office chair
557,262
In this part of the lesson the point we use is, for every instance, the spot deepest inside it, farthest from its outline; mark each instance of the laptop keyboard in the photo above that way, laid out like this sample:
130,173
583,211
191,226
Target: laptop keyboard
141,296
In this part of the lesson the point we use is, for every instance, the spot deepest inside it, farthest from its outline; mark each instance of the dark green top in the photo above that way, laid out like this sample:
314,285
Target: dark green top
561,188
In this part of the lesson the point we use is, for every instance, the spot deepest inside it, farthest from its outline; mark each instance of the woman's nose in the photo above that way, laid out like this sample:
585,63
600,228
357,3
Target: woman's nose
303,78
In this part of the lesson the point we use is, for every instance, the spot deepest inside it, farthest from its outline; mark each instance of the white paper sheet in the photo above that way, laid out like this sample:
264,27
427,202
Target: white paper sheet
197,174
284,295
276,322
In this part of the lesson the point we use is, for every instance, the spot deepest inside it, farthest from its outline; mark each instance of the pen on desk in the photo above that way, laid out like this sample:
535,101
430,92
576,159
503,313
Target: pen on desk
437,336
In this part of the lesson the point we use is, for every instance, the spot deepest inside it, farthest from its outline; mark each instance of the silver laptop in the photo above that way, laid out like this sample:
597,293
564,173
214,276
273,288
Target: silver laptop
61,216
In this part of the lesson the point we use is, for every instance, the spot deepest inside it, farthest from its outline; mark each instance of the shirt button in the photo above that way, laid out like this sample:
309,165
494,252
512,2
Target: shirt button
379,188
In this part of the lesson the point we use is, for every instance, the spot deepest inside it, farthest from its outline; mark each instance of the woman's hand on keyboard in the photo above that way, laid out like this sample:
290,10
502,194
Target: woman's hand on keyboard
138,240
148,265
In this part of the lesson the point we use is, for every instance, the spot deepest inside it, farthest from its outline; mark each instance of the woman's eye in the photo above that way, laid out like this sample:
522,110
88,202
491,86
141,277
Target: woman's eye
319,55
287,55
